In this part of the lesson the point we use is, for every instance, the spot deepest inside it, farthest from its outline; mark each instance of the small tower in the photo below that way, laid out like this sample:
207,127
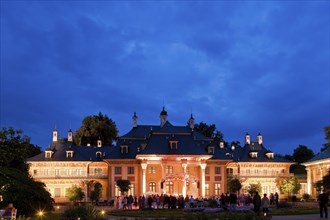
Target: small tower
134,119
191,122
70,137
259,138
99,143
55,134
247,138
163,117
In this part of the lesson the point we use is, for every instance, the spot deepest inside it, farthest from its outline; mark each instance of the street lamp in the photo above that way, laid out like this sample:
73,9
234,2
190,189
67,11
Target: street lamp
40,214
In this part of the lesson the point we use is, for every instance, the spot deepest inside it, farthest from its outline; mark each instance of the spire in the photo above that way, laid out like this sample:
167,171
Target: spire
163,117
134,119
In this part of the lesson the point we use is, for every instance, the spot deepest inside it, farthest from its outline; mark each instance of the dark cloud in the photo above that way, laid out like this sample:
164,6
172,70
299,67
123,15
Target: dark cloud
246,67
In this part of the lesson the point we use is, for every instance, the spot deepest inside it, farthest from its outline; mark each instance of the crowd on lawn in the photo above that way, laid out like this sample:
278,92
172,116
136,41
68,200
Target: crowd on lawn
227,201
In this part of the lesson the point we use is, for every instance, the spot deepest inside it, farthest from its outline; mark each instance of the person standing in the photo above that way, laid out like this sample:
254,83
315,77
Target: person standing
265,204
323,200
256,202
276,199
233,201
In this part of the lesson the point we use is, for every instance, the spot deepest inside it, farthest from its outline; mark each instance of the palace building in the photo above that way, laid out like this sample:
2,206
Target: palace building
157,159
317,167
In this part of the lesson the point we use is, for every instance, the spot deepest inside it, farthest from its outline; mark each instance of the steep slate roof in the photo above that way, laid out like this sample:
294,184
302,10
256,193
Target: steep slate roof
150,139
321,155
242,154
80,153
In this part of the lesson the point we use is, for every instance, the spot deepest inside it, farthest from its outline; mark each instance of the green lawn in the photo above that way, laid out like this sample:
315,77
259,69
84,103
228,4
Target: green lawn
179,214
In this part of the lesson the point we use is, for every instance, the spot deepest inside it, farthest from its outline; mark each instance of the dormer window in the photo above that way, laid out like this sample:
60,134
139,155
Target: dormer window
270,155
253,154
210,150
99,155
124,149
69,154
173,144
48,154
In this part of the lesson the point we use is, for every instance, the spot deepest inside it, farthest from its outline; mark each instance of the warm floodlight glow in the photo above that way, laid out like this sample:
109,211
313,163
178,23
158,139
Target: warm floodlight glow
102,212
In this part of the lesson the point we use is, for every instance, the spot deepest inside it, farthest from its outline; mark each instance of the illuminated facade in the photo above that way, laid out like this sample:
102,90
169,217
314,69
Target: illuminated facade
157,159
317,167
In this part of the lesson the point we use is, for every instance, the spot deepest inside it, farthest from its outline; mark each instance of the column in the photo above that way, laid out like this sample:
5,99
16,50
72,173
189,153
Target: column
144,178
184,187
309,181
203,166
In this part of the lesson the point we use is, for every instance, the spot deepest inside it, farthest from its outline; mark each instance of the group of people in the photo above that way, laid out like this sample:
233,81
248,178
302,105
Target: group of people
256,200
226,201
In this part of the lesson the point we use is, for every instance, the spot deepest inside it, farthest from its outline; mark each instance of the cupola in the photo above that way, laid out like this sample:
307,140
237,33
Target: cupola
55,135
134,120
259,138
70,137
247,138
163,117
191,122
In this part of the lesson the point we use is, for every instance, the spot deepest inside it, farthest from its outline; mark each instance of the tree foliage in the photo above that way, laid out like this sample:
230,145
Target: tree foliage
95,194
15,148
302,154
324,184
94,128
253,188
209,131
75,193
124,185
327,137
16,185
234,185
27,195
290,185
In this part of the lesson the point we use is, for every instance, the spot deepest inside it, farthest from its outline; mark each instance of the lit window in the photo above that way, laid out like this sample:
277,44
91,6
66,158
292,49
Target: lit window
169,187
124,149
130,170
46,172
217,189
169,170
99,155
173,144
207,189
152,170
98,171
57,192
210,150
230,171
152,187
117,170
67,172
57,172
78,172
253,154
48,153
69,154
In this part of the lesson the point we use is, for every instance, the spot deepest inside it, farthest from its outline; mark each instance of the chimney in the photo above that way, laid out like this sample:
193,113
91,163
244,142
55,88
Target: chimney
259,138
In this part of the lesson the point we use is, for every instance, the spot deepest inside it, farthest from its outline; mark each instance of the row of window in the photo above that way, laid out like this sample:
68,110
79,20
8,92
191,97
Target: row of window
68,172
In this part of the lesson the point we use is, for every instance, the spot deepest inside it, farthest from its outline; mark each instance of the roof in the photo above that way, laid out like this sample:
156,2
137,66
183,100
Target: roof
80,153
321,155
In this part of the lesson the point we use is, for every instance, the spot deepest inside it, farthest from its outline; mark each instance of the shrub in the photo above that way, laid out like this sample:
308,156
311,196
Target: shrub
284,204
82,212
213,203
306,196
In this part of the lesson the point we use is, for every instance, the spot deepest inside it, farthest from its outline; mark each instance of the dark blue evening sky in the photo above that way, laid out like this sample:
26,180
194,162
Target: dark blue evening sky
246,66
